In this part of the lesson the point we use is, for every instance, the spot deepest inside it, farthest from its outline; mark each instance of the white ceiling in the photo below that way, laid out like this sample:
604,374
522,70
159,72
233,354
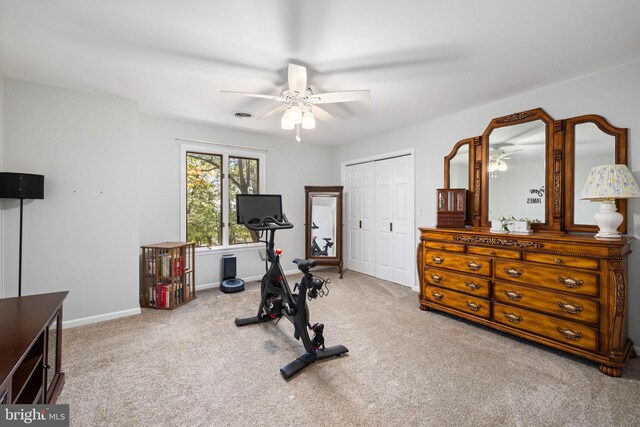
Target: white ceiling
420,59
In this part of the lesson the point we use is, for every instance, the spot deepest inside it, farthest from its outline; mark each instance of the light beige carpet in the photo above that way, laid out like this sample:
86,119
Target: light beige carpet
194,367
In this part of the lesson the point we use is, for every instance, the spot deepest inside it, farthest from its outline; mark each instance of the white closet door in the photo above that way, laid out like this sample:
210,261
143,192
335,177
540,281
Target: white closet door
394,221
384,242
359,207
403,232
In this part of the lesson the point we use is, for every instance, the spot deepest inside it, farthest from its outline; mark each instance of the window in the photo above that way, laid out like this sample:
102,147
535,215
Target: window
243,179
211,179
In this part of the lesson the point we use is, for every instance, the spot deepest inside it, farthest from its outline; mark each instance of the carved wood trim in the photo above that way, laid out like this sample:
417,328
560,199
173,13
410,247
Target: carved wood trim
557,183
419,262
619,288
494,241
477,190
515,117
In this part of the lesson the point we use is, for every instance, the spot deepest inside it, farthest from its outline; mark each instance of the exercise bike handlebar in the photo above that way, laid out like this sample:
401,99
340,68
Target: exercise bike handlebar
267,223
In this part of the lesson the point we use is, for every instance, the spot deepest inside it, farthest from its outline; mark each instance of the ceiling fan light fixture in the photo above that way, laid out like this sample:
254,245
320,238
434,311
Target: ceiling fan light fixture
295,114
286,123
502,166
308,121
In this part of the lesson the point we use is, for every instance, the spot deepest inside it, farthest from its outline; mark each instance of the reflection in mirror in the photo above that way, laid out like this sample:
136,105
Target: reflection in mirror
459,168
516,169
323,225
593,148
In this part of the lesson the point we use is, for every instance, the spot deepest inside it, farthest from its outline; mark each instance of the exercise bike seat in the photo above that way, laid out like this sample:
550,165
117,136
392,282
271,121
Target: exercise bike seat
305,264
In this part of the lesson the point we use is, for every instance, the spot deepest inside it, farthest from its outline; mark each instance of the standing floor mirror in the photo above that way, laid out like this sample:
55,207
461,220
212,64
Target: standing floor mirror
323,227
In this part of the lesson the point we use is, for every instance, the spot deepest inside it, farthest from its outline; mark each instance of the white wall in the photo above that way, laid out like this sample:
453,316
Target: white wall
289,167
614,94
83,237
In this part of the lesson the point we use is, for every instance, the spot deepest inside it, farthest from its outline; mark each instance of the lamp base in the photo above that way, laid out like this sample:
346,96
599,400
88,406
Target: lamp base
608,220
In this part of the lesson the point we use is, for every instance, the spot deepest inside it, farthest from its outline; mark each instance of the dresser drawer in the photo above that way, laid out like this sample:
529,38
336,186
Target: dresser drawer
563,260
568,306
458,282
547,326
462,263
472,305
501,253
454,247
559,279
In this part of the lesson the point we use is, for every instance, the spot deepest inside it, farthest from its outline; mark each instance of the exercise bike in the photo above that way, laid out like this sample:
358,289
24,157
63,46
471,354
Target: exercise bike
263,214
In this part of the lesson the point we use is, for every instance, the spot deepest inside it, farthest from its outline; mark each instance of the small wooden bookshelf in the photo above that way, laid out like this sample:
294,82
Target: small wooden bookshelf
167,275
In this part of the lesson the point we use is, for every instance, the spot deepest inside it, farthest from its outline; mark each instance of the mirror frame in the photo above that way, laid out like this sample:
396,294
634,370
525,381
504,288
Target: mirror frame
620,135
552,185
447,171
332,191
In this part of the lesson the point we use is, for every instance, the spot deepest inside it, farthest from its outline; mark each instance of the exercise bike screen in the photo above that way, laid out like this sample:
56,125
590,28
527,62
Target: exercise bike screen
255,207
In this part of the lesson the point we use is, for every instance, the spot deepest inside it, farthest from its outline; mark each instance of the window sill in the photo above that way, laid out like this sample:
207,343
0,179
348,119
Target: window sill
224,250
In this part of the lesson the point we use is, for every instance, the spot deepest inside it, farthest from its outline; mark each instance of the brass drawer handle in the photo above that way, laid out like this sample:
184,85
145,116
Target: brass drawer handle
474,266
473,306
569,334
557,261
437,259
569,282
512,272
441,246
437,295
492,252
514,318
513,296
472,286
435,278
570,308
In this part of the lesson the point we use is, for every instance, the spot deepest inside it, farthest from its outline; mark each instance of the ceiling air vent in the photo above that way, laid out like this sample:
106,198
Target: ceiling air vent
242,115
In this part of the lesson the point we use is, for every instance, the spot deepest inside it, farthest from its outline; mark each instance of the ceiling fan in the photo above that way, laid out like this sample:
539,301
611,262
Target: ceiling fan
300,105
497,161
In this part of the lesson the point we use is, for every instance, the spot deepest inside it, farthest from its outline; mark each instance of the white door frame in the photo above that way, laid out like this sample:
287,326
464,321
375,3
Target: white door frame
382,156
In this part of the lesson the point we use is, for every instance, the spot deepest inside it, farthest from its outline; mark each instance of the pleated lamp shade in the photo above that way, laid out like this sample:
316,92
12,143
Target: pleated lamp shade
610,182
21,186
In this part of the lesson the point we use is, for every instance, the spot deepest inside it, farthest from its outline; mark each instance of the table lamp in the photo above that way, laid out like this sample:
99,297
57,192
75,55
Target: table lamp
604,185
21,186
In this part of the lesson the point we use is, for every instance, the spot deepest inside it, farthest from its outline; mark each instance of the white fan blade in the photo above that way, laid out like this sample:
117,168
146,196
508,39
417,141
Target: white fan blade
255,95
319,113
297,79
278,109
345,96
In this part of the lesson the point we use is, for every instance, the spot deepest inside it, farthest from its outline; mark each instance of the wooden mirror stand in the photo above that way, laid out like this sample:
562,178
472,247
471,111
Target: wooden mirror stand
323,225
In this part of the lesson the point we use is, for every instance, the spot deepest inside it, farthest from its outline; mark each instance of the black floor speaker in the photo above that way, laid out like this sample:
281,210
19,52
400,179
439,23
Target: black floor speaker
229,282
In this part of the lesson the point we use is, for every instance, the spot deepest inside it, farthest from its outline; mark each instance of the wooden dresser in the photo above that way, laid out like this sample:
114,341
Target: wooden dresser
567,291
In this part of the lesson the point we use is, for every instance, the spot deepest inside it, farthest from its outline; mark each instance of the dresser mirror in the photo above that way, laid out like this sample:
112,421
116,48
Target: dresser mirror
516,172
457,166
528,165
515,168
591,141
323,228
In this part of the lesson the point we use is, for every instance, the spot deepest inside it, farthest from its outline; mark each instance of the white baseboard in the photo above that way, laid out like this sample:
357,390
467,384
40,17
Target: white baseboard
246,279
99,318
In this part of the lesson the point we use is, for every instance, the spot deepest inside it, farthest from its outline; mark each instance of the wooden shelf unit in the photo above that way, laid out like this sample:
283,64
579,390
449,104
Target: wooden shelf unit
167,275
31,338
